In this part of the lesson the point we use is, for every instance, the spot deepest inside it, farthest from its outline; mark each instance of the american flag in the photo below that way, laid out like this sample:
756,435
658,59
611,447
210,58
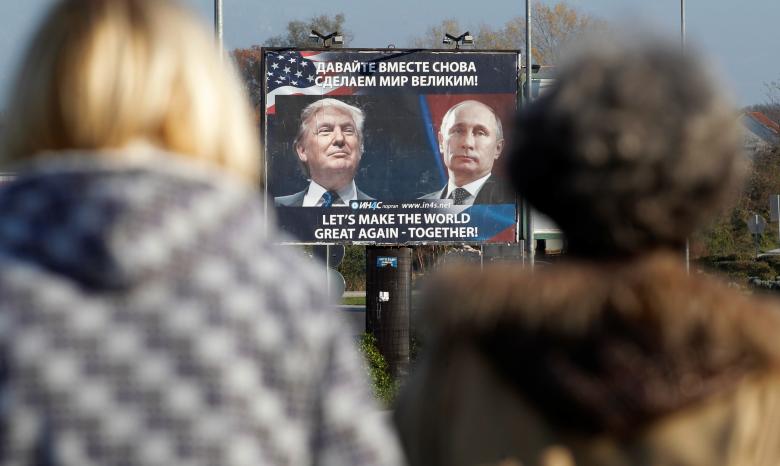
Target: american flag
293,73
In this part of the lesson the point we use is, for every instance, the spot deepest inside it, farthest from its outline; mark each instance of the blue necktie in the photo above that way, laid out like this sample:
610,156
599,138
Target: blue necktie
329,198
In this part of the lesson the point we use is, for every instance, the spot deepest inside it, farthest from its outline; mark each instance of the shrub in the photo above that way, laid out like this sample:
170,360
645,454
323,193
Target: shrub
384,386
740,269
773,262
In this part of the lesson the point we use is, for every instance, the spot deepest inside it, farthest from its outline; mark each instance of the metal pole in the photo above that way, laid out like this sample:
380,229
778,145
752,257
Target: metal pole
682,23
327,269
682,48
530,244
528,91
218,23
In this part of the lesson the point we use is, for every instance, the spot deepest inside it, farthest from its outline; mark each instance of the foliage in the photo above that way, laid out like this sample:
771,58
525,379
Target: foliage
556,26
771,107
248,59
552,28
426,257
385,388
432,37
773,262
728,233
738,269
248,63
353,267
297,34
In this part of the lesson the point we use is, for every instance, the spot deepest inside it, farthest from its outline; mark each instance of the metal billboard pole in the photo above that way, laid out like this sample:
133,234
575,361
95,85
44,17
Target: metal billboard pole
682,23
218,23
682,48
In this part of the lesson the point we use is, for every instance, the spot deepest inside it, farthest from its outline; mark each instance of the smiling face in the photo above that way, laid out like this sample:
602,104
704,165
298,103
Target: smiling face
470,141
330,147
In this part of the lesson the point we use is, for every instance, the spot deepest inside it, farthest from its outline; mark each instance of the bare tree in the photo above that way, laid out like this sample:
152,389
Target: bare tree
553,27
432,37
297,34
248,63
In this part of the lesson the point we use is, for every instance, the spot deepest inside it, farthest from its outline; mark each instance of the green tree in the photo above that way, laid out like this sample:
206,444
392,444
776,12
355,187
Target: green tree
297,34
727,234
353,267
553,26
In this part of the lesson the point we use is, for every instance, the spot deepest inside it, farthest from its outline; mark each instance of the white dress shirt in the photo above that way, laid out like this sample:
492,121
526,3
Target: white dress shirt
313,197
473,189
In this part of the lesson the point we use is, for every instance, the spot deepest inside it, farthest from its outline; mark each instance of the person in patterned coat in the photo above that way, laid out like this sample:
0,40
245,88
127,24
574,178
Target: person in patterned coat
147,316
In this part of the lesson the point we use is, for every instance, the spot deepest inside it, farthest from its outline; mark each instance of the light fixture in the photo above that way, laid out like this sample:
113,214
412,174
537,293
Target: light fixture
334,38
464,39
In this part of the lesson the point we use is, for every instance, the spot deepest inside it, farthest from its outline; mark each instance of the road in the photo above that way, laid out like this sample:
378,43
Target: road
354,317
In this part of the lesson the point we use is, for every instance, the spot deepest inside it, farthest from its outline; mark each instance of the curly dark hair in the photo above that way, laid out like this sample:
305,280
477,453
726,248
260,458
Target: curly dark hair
632,148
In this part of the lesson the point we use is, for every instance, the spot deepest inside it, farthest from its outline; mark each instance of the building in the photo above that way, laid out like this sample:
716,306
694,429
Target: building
760,131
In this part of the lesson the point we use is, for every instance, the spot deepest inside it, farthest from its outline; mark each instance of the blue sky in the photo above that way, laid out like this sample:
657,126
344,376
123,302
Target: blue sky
738,39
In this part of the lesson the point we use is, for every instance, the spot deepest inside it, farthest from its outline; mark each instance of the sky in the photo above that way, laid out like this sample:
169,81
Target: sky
738,40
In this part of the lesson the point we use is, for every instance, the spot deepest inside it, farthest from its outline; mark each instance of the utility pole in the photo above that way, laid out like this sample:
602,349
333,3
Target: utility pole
530,245
218,24
682,48
682,24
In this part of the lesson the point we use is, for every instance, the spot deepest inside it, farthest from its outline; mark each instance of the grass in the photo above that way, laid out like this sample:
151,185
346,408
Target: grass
354,300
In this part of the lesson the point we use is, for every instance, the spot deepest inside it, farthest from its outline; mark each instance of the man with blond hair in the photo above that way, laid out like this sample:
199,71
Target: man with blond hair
329,145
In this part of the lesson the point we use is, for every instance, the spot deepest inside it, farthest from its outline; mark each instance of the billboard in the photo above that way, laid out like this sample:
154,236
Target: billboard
390,146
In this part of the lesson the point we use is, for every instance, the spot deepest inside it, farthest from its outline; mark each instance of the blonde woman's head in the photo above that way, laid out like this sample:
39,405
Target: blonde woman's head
102,74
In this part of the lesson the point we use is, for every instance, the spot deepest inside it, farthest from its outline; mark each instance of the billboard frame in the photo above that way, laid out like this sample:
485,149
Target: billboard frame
386,54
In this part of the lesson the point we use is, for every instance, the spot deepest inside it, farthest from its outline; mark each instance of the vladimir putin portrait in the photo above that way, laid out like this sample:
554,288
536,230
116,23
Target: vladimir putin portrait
471,139
329,145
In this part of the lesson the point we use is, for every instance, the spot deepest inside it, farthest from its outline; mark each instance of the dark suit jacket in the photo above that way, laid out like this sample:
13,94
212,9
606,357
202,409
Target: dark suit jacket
492,192
296,200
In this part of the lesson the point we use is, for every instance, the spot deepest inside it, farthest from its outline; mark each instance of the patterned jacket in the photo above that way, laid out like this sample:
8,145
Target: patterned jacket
148,318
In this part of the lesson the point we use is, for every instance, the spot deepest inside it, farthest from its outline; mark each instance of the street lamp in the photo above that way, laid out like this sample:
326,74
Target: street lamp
464,39
334,38
218,23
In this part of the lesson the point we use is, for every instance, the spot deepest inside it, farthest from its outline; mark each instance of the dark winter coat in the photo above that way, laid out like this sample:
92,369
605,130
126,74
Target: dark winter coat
617,363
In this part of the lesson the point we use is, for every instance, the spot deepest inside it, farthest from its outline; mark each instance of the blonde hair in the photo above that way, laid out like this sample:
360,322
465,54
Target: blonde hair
308,112
101,74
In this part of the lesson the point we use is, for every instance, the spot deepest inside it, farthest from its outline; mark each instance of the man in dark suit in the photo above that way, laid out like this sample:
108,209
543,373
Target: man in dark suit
329,145
471,140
